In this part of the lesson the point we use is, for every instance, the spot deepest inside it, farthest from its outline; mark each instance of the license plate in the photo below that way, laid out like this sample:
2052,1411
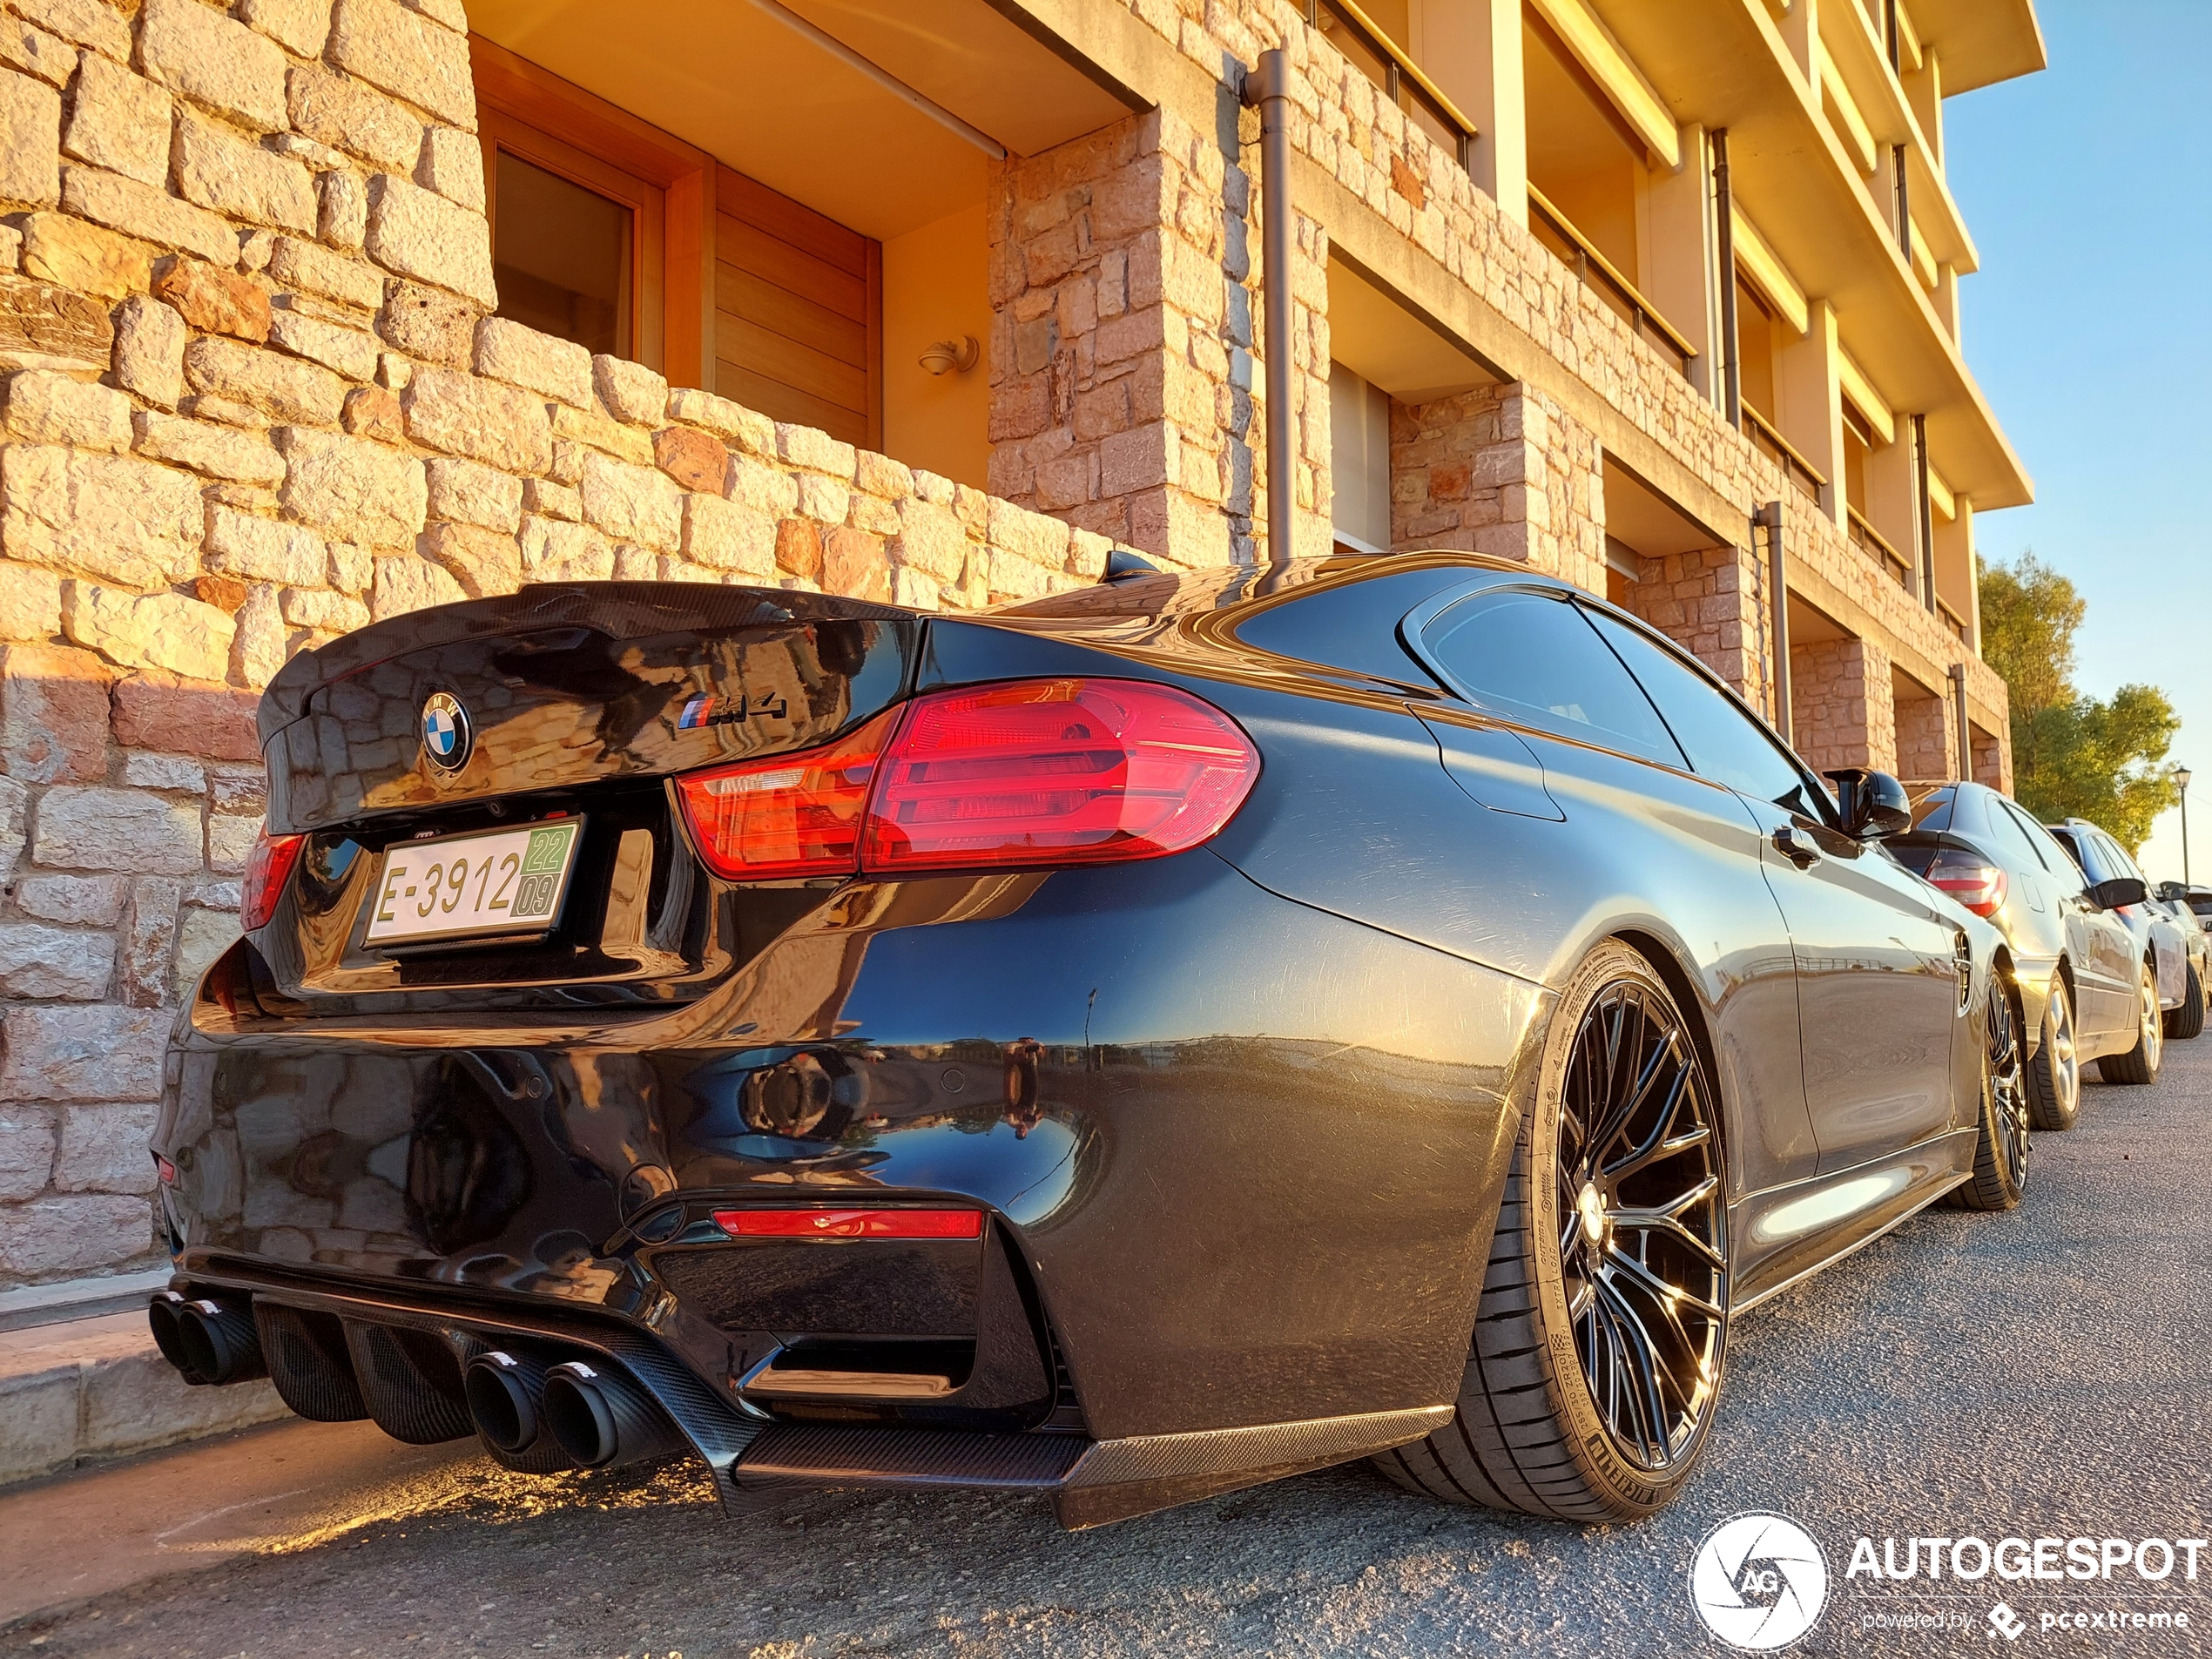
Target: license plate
462,886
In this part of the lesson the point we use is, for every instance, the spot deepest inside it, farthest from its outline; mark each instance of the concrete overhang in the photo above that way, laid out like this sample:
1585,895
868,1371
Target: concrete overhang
744,86
1723,64
1982,42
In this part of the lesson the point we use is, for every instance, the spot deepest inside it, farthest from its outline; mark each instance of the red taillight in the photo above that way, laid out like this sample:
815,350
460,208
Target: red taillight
268,868
165,1169
851,1224
1018,774
794,814
1056,771
1980,888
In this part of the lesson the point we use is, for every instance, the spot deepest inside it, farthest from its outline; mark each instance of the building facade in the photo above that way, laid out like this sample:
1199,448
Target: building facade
313,312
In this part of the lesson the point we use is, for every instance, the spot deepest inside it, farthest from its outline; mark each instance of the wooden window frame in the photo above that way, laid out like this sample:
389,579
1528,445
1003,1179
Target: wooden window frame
556,125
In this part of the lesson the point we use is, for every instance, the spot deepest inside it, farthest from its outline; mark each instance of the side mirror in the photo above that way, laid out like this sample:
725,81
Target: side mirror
2121,890
1874,803
2172,892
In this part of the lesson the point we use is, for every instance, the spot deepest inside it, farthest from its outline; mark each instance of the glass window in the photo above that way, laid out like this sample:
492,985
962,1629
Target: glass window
2116,855
1932,807
1535,658
561,255
1723,740
2084,860
2039,843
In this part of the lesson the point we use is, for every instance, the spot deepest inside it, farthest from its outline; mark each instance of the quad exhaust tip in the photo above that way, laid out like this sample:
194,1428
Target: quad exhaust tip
604,1421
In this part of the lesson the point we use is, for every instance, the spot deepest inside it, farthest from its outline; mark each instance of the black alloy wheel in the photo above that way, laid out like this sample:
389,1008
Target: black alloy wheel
1642,1241
1601,1333
2001,1144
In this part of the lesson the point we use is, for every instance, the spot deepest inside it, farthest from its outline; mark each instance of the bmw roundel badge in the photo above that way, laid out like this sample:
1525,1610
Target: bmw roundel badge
446,735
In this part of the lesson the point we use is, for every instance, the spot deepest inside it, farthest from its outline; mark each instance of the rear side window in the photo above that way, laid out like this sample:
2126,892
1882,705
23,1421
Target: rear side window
2011,839
2047,852
1723,741
1533,658
1932,808
2083,860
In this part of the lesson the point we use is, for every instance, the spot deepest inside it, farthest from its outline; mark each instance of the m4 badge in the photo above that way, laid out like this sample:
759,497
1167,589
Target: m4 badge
706,709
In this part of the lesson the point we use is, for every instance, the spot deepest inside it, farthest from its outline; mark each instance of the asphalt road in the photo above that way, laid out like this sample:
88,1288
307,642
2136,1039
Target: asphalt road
2041,1373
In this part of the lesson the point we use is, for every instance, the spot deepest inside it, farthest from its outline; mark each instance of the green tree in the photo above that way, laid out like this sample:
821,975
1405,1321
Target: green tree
2073,756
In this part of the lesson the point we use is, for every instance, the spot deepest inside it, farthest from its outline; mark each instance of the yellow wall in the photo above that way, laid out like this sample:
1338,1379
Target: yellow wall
936,287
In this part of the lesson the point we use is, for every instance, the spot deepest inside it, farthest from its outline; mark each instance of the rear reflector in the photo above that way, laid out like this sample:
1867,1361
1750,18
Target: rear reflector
1979,886
851,1224
1021,774
268,868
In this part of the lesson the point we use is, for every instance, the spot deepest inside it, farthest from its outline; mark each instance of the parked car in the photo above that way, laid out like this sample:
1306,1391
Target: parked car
2172,951
2077,963
2188,906
1128,1047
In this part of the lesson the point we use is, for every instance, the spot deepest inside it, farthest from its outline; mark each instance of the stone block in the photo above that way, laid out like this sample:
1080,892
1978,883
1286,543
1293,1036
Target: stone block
405,583
728,536
55,964
238,789
406,55
798,549
750,431
418,234
214,300
74,901
352,568
628,391
602,433
299,26
759,485
467,492
91,23
805,445
164,771
45,57
1031,536
15,815
167,631
240,181
114,516
323,612
632,503
103,1148
38,1424
853,565
478,419
350,352
372,412
44,406
153,709
216,451
343,220
553,552
53,714
930,540
83,258
99,1052
30,126
424,323
484,562
27,1142
549,500
244,544
452,165
51,1238
692,458
137,1402
230,839
149,352
338,111
30,603
259,649
351,489
195,49
283,387
143,211
522,356
315,270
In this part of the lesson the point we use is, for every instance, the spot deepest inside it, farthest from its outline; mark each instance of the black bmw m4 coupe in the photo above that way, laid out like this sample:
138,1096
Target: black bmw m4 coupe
1126,1047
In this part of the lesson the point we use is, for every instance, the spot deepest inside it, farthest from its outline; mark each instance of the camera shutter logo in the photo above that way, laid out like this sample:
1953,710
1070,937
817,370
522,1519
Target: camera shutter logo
447,735
1758,1582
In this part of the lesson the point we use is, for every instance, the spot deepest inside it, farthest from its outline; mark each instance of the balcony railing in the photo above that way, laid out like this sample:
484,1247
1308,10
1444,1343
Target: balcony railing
1364,43
1871,541
1779,450
1557,233
1953,621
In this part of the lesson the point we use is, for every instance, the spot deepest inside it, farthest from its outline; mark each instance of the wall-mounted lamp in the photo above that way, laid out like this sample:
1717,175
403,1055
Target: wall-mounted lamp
951,356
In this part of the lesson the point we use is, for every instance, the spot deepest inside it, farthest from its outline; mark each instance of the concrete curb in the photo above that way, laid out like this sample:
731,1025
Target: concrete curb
98,1388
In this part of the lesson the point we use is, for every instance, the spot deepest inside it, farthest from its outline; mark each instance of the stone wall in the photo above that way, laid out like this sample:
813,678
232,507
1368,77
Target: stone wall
1840,705
1927,741
253,399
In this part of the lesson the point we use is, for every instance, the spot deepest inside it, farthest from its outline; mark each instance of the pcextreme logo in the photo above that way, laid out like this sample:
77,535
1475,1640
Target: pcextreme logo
1758,1582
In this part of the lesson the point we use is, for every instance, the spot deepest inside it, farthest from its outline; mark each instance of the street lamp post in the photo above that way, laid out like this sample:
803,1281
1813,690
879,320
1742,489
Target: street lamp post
2181,777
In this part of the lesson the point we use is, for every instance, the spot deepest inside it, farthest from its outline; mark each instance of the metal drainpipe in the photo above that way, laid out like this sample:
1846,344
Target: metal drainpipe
1965,755
1769,518
1725,212
1924,508
1267,87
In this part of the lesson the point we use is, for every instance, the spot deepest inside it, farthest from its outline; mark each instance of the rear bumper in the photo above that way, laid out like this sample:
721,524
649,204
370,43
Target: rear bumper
1239,1159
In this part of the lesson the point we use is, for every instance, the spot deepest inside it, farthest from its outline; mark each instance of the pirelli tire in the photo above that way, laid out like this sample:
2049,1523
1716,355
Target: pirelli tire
1615,1204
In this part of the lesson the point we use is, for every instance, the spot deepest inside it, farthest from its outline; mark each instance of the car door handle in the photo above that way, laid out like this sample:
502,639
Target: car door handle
1796,847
